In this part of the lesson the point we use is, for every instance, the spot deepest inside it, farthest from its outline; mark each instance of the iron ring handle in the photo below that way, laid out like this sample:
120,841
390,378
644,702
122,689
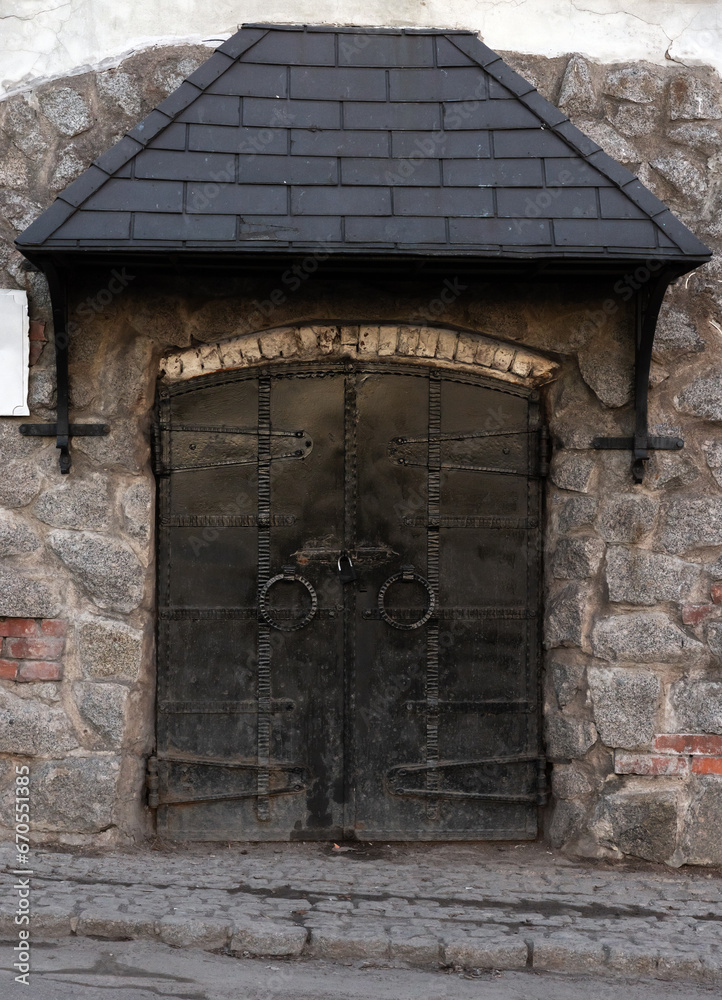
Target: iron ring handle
266,614
406,574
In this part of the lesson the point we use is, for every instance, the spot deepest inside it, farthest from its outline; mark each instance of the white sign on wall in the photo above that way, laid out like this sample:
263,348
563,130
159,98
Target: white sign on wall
14,353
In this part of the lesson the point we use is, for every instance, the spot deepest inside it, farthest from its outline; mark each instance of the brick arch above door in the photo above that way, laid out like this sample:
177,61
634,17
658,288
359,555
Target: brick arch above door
464,349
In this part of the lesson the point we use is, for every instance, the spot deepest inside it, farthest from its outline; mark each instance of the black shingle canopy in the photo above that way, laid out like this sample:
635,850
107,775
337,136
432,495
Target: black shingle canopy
381,141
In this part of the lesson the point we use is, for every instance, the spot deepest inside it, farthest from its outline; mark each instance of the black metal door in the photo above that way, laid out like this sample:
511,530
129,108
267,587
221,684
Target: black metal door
348,606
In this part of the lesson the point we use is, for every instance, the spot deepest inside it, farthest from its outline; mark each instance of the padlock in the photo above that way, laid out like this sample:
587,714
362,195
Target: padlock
346,570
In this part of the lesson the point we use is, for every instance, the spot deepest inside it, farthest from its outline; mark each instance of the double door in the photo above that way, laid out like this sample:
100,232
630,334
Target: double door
348,598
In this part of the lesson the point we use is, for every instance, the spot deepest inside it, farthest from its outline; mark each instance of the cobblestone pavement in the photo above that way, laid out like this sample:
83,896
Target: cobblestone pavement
455,906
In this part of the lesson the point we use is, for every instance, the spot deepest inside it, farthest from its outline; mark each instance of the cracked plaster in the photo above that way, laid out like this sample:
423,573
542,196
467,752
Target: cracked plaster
48,40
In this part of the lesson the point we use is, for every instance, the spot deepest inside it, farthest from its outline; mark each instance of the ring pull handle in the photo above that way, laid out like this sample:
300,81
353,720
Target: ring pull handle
407,573
346,570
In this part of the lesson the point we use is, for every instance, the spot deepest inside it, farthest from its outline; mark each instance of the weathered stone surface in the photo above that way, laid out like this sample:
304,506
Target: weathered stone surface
610,140
568,736
262,937
103,707
633,120
634,83
636,576
569,819
689,97
41,389
487,951
75,795
577,94
567,678
172,72
676,332
570,782
706,138
702,398
19,210
21,597
607,365
576,512
181,931
566,616
76,503
69,166
108,648
626,517
278,344
714,638
27,128
713,455
577,558
697,705
119,90
625,705
643,824
107,568
670,471
16,536
137,506
692,523
701,841
32,728
66,109
644,637
125,446
689,178
572,471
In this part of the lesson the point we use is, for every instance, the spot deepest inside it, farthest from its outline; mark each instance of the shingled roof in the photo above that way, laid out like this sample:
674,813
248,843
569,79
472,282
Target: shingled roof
382,141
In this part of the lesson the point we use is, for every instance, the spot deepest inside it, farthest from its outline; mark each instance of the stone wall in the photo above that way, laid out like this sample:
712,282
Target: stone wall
633,676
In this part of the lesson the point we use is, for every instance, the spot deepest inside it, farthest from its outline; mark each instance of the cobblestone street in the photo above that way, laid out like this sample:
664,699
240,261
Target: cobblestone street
455,907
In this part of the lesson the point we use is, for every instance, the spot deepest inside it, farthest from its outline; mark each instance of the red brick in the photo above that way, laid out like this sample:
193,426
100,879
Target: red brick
707,765
18,626
647,763
34,649
716,592
8,669
695,744
37,329
693,614
40,670
53,626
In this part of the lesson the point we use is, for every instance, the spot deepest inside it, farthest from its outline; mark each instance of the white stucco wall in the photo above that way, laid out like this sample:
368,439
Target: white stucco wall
43,39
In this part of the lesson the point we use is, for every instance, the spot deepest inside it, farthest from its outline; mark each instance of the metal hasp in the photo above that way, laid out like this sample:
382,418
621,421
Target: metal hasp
62,429
649,302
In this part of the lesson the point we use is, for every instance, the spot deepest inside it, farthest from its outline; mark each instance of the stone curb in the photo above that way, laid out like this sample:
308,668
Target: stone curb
379,941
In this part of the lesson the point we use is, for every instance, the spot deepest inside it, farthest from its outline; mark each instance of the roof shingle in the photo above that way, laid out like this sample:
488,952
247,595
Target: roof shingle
390,140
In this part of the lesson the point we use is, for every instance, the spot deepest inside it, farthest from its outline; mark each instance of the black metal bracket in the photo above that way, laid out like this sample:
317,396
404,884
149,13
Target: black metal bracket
649,302
62,429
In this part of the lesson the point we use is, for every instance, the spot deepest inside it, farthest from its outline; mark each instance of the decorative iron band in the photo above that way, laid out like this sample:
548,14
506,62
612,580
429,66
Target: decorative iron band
455,614
225,707
470,521
477,707
252,613
226,521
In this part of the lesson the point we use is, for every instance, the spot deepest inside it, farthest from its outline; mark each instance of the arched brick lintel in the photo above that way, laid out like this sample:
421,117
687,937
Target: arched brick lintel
454,348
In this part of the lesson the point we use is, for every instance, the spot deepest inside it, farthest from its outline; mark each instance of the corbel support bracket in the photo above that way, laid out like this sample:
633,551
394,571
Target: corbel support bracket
649,302
62,430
